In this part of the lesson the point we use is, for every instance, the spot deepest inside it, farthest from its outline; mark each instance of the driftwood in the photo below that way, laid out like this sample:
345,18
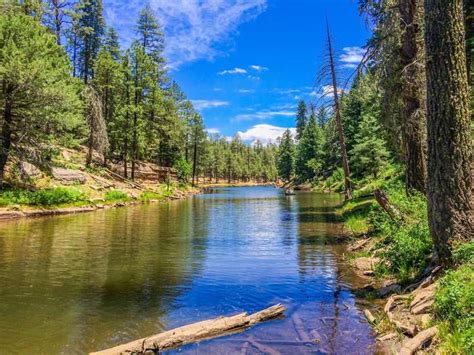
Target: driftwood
410,346
382,199
194,332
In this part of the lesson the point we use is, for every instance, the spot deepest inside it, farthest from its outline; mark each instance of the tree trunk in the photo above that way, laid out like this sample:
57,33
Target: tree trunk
195,332
413,94
450,208
57,21
195,156
340,127
6,135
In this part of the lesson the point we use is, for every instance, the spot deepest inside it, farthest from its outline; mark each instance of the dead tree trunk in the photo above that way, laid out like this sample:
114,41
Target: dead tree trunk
191,333
340,127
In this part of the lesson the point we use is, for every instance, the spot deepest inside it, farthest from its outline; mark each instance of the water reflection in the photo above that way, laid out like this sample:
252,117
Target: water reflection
79,283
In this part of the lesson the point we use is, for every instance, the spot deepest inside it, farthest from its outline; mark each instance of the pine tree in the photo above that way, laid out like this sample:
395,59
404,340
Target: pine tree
369,154
56,17
310,153
91,28
37,93
111,43
301,119
150,35
286,157
450,206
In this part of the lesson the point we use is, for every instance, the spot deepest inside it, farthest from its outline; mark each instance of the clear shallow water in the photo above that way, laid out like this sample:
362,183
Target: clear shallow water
80,283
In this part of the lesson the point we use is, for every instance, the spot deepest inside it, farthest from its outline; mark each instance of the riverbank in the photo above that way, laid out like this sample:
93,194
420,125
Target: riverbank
423,307
67,186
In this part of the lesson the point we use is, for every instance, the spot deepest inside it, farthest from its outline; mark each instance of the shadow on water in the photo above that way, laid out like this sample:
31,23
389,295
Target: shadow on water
73,284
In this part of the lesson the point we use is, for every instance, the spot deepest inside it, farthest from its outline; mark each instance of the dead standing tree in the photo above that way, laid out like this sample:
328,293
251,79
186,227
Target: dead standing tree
98,139
328,73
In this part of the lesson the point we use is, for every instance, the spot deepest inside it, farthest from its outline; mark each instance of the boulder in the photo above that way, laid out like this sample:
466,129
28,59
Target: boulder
68,176
29,171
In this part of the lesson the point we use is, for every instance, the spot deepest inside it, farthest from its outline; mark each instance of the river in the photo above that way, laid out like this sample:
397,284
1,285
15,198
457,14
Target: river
79,283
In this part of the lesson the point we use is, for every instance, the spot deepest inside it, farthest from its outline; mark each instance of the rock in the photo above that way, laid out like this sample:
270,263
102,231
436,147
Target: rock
387,337
425,320
69,176
410,346
423,300
29,171
389,289
366,264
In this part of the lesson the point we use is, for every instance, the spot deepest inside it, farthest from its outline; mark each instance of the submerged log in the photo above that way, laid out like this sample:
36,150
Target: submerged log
194,332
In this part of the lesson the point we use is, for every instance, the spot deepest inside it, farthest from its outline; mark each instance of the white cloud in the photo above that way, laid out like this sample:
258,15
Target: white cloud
195,27
258,67
286,91
213,130
233,71
326,90
265,133
352,56
203,104
263,115
245,91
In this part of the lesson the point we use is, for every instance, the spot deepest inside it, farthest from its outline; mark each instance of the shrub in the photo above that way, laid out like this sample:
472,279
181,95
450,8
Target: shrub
454,308
408,251
184,170
115,195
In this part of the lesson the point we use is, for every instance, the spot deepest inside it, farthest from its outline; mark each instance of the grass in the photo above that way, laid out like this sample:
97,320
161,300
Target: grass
115,195
150,195
45,197
454,310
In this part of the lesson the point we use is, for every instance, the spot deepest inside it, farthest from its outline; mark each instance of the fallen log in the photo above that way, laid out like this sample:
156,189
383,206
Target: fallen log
191,333
382,199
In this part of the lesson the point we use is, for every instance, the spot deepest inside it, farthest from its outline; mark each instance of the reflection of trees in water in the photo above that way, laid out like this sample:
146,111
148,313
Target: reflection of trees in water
317,225
106,275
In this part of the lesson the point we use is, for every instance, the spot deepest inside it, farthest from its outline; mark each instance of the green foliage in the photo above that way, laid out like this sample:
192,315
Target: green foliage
408,250
150,195
464,253
183,169
454,308
301,119
115,195
286,156
309,153
34,71
46,197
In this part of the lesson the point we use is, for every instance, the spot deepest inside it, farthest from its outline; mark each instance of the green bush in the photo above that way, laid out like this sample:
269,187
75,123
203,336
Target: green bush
45,197
408,251
184,170
464,254
115,195
454,309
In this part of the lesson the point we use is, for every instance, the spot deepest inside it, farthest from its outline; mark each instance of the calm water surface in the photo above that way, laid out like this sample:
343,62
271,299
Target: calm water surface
79,283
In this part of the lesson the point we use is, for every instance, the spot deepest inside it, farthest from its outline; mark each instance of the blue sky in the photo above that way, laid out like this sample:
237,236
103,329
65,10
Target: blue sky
246,63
